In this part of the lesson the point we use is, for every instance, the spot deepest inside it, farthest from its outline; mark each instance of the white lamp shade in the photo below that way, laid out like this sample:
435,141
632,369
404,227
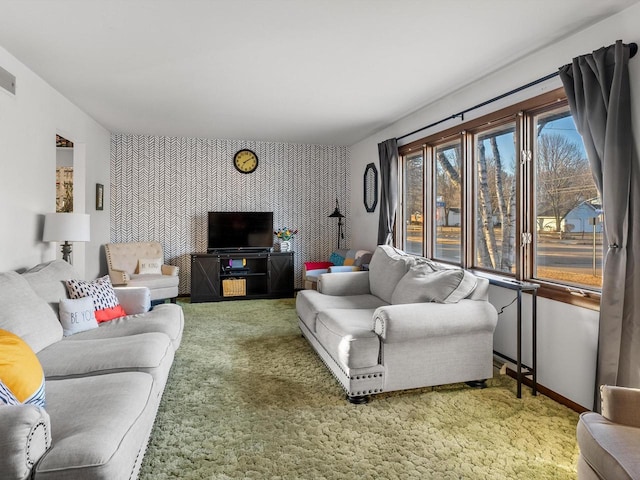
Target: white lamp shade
66,227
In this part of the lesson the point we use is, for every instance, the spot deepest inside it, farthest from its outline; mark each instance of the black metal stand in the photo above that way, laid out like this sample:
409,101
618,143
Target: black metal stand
522,370
336,214
340,234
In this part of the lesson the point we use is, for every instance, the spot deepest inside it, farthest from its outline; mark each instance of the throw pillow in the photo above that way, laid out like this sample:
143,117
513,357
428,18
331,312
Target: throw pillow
422,284
105,302
21,375
336,259
149,266
388,266
317,265
77,315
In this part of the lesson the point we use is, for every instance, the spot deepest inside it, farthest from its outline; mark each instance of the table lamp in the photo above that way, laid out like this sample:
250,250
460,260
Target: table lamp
66,227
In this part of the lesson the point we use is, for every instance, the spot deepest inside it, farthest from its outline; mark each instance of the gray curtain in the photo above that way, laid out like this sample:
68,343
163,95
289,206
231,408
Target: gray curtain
388,154
597,87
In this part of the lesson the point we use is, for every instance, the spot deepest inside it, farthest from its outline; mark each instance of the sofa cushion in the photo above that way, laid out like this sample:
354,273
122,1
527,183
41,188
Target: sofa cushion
47,279
77,315
153,281
26,314
387,267
310,302
101,291
610,449
21,376
167,318
100,426
144,352
422,284
348,336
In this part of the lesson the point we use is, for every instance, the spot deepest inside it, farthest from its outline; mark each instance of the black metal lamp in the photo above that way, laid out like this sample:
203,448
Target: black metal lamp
336,214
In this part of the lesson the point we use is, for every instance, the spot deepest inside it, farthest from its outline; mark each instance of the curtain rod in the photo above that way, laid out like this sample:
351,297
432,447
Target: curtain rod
633,49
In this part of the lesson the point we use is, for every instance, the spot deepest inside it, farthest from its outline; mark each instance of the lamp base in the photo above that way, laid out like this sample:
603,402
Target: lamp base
66,251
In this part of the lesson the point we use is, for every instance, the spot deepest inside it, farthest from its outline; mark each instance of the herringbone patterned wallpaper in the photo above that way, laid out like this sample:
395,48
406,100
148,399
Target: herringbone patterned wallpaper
163,187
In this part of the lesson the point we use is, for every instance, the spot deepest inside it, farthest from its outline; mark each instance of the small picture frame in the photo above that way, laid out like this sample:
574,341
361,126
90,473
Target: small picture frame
99,196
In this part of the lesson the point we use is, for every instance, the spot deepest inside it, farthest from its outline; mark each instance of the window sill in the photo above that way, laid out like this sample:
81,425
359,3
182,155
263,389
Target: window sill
560,293
571,295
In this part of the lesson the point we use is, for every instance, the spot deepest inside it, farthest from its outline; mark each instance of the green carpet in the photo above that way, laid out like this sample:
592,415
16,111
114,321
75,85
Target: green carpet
248,398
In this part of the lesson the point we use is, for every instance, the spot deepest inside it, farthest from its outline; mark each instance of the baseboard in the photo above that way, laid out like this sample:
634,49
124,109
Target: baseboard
547,392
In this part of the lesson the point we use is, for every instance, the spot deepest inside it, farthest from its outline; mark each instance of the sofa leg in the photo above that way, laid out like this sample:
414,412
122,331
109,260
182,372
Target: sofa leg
477,383
359,400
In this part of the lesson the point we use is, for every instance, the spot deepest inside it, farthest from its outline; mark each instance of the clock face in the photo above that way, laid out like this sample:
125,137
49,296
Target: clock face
245,161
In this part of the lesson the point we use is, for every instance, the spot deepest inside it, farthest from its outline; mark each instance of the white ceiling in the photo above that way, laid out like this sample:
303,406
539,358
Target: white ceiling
307,71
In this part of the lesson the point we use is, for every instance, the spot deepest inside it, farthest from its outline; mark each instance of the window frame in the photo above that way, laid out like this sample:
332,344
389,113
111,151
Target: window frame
523,115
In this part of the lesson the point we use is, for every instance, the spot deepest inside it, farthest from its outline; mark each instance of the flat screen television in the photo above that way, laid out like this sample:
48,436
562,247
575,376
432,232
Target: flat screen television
240,231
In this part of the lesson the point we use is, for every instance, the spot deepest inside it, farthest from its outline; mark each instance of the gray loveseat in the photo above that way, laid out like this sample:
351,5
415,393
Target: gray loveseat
405,323
103,386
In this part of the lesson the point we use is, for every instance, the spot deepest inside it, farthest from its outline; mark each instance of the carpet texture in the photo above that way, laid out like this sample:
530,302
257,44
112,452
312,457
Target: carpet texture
249,399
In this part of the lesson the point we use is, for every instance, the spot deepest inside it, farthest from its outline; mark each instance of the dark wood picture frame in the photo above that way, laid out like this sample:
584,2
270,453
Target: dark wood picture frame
99,196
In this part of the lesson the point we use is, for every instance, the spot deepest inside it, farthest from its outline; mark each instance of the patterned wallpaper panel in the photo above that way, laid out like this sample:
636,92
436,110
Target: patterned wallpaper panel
163,187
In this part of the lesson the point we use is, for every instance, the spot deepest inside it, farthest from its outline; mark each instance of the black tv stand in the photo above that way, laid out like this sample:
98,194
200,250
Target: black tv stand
239,251
267,274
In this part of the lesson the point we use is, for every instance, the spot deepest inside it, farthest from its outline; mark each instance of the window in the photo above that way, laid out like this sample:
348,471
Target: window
447,223
510,193
495,159
568,246
413,195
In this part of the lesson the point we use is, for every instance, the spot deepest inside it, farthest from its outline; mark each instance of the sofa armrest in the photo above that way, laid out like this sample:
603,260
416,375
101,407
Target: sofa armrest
621,405
134,299
343,268
340,284
399,323
171,270
26,436
118,277
313,273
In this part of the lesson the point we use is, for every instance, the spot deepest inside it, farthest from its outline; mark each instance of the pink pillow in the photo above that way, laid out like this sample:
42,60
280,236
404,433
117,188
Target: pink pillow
317,265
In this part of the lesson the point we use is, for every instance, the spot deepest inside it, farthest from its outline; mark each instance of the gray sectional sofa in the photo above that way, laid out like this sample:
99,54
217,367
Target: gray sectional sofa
405,323
103,386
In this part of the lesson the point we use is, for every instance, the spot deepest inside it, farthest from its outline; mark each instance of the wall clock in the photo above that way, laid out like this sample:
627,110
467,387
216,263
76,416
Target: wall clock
245,161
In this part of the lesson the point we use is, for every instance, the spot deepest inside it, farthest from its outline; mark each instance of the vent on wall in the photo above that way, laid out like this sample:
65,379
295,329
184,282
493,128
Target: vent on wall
7,81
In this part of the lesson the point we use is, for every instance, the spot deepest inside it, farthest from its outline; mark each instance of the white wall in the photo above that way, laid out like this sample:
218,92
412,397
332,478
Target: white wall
567,336
29,121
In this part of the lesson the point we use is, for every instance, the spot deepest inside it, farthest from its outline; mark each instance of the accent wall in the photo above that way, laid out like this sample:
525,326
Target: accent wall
163,187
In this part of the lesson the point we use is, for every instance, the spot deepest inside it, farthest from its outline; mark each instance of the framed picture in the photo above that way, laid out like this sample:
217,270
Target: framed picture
99,196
